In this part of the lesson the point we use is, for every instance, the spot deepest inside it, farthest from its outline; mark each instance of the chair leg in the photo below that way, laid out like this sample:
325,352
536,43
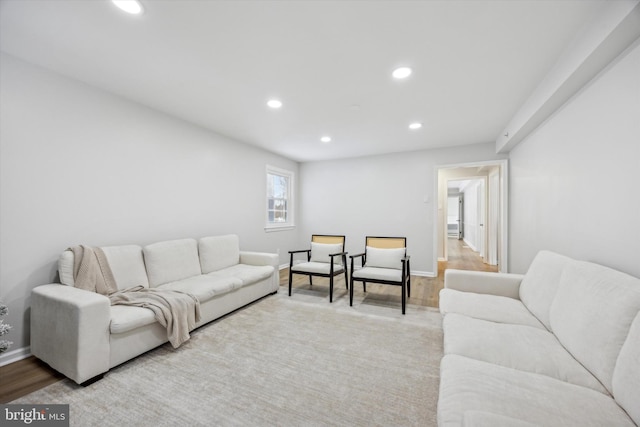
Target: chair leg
310,280
404,300
351,292
331,289
364,286
290,276
346,278
409,288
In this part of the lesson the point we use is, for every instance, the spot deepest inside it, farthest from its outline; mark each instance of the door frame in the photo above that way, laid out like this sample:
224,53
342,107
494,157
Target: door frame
503,165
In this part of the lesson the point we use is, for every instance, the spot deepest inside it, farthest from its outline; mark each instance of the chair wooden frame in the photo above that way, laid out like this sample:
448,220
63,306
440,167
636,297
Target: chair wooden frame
384,243
322,238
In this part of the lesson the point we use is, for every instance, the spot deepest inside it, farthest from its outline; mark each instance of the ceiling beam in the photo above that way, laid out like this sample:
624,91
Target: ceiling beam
614,30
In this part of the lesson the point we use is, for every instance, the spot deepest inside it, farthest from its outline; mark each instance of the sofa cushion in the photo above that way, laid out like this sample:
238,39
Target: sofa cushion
539,286
320,252
487,307
127,265
489,419
385,258
472,385
204,287
65,268
390,274
626,375
316,267
514,346
127,318
248,274
218,252
171,260
592,313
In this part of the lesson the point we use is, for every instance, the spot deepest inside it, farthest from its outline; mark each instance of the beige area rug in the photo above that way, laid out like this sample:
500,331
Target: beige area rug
281,361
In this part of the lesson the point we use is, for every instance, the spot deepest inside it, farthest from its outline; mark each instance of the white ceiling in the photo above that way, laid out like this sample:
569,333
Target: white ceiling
215,64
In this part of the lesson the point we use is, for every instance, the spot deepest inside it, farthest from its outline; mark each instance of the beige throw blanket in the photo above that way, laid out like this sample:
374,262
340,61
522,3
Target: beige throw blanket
91,270
177,311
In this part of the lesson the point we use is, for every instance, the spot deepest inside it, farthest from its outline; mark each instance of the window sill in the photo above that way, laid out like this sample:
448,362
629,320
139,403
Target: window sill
272,228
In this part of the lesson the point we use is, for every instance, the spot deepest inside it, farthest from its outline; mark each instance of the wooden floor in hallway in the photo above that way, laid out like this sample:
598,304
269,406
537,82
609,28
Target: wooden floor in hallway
25,376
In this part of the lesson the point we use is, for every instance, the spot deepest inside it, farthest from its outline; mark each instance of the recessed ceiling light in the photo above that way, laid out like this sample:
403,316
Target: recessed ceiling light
274,103
402,72
130,6
414,126
325,139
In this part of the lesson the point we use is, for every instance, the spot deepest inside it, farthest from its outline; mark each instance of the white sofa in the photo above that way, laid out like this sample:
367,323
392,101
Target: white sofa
558,346
79,333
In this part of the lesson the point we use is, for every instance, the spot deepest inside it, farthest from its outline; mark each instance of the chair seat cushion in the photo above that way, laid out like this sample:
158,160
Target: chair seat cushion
375,273
514,346
316,268
487,307
472,385
248,274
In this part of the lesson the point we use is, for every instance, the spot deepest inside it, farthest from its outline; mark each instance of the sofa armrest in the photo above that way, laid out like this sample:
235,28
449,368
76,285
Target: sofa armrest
70,330
259,258
483,282
264,258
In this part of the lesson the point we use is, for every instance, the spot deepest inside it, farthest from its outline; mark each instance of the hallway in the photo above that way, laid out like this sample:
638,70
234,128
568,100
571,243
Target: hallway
462,257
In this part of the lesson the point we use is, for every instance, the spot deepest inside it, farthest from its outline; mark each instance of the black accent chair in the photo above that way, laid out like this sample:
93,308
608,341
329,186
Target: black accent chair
325,258
384,261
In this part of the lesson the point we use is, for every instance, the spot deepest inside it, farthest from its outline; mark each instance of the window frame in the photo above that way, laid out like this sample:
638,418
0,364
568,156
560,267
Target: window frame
289,224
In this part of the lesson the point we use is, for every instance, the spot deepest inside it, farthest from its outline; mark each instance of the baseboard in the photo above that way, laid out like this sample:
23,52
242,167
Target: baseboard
14,355
473,248
283,266
423,273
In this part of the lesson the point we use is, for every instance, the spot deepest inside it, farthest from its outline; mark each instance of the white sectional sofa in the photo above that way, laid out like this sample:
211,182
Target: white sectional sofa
79,333
559,346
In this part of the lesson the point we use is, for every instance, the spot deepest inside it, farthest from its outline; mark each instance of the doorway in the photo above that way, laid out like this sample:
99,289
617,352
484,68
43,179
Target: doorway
471,214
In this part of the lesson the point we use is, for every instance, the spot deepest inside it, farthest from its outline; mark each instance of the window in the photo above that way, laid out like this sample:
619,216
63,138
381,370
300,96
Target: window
279,199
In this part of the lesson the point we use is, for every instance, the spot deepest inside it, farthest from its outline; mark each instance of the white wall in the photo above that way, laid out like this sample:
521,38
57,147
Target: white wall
574,181
380,195
472,231
80,166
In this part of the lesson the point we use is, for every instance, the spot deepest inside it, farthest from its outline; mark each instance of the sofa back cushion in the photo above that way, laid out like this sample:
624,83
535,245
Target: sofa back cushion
171,260
218,252
592,313
65,268
626,376
539,286
126,263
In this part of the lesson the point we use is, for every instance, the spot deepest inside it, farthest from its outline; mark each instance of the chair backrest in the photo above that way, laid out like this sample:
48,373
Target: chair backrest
386,242
329,239
385,252
324,244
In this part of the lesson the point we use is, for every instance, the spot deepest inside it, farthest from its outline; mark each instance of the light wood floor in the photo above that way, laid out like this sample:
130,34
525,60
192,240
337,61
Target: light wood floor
25,376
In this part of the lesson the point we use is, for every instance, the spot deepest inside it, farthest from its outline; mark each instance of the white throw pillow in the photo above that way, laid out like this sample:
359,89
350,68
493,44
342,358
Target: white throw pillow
320,252
385,258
